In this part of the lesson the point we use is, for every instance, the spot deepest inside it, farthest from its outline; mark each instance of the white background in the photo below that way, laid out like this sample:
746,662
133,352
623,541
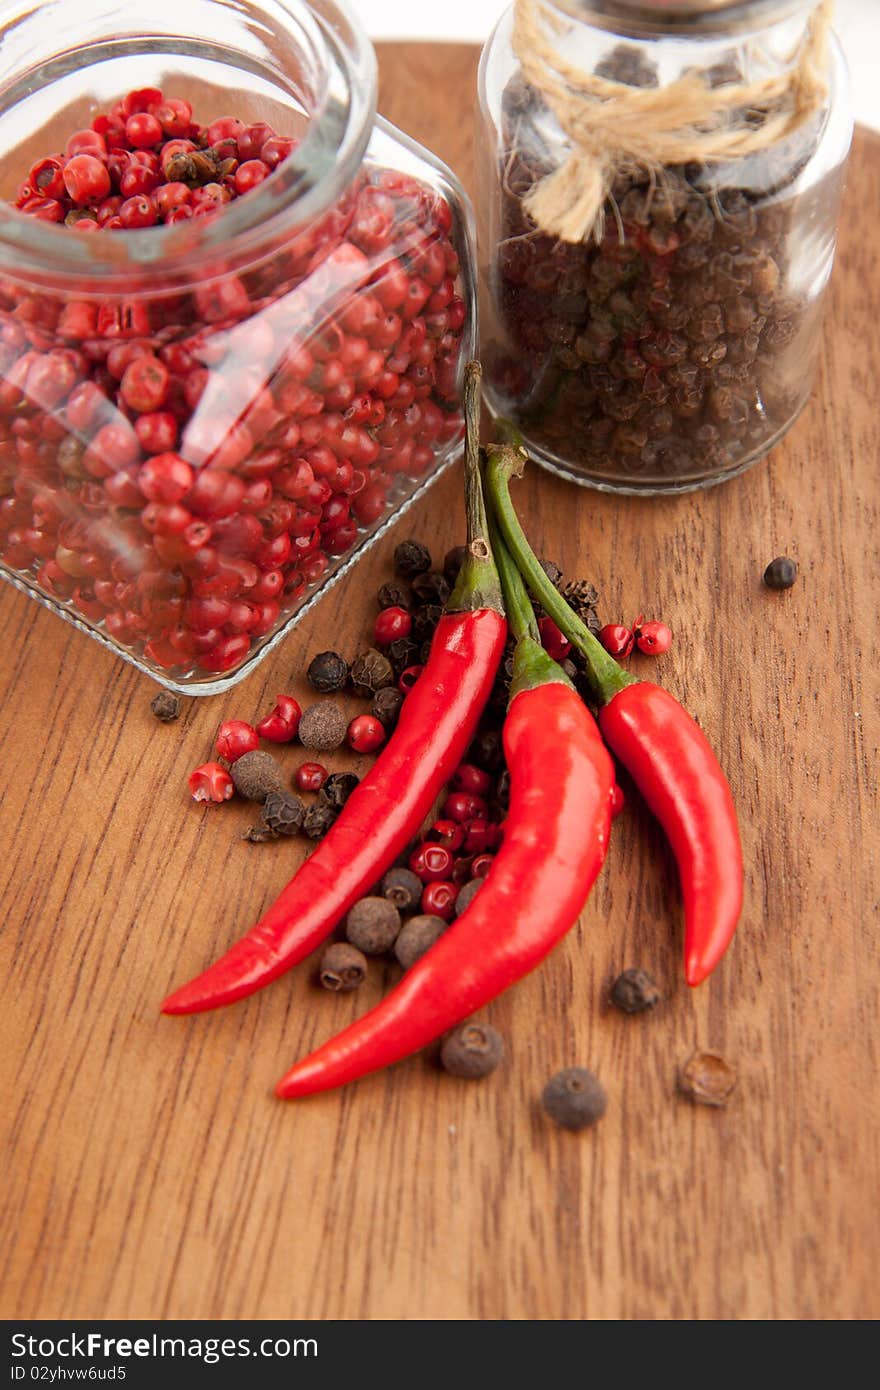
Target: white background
857,24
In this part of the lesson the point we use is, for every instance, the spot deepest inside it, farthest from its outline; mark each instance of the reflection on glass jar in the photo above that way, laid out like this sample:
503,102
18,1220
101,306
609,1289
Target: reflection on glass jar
238,354
659,332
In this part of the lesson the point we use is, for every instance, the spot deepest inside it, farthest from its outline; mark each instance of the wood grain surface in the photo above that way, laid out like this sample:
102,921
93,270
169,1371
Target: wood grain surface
148,1172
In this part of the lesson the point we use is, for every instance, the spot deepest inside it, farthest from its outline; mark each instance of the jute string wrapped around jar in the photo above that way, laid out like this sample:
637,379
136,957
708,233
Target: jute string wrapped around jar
614,127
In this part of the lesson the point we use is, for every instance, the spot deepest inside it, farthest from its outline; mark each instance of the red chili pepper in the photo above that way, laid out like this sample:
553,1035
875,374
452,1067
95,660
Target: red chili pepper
555,840
384,812
669,758
662,747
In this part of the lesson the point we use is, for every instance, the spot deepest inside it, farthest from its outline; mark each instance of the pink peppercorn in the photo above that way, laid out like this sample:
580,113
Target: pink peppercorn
235,738
210,782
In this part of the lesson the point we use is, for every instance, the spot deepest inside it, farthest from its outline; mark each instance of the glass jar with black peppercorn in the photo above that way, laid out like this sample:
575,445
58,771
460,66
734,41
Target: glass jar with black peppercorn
659,193
235,306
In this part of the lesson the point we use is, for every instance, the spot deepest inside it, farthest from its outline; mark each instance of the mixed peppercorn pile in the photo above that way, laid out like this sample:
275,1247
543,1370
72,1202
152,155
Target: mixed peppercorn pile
180,468
440,871
474,903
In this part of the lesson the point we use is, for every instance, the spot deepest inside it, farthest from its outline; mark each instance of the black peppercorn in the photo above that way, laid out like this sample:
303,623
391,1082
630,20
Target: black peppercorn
453,563
393,596
499,698
256,774
338,788
487,750
501,799
596,346
411,558
322,727
425,651
343,967
472,1051
583,596
574,1098
283,813
318,820
780,573
628,63
402,653
416,937
372,925
403,888
634,991
467,894
430,587
386,706
425,620
328,671
258,834
552,571
371,672
165,706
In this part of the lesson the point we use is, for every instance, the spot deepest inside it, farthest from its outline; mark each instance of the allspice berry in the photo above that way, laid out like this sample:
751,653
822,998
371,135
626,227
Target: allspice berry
256,774
372,925
634,991
323,727
403,888
707,1079
467,894
574,1098
343,967
165,706
472,1051
416,937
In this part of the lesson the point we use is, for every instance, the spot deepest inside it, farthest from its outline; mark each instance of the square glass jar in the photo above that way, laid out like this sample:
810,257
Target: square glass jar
204,423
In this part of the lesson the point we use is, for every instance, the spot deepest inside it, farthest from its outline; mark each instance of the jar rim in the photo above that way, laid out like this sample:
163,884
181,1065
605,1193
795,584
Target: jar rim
682,17
304,185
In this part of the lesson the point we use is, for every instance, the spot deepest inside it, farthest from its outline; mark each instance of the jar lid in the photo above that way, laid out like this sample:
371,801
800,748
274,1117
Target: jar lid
669,16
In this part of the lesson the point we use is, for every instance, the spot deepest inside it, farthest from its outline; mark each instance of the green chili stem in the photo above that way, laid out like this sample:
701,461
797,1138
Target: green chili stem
506,432
531,664
520,613
606,677
478,584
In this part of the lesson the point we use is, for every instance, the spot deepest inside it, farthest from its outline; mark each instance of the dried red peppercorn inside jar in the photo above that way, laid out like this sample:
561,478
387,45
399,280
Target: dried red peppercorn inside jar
189,447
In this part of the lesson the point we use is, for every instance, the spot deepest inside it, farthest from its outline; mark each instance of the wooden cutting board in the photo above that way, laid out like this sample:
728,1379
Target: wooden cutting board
147,1170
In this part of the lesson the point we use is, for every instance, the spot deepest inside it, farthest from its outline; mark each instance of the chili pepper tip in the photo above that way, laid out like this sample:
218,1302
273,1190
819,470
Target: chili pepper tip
698,968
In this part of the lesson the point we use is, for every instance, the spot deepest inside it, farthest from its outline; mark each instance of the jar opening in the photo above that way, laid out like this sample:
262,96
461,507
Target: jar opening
306,67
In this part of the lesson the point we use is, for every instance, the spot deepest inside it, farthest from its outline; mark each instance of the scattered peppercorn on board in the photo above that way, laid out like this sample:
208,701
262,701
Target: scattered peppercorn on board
148,1171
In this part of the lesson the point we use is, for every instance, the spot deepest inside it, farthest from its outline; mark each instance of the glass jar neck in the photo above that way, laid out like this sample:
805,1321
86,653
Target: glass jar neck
309,54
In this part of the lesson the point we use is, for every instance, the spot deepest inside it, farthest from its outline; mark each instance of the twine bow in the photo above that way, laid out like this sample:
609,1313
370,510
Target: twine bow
612,126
